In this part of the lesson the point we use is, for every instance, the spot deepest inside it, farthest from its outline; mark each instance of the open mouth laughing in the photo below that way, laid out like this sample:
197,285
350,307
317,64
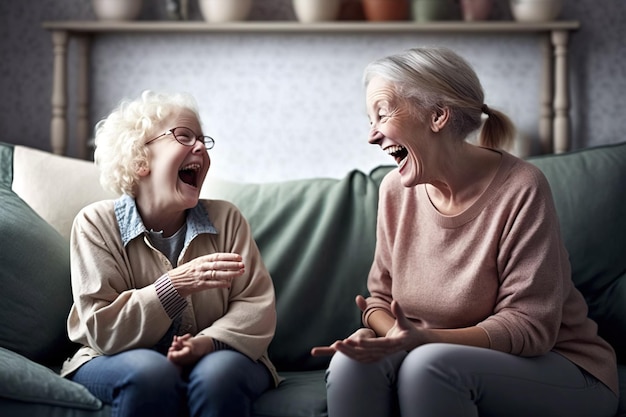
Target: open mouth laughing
189,174
399,153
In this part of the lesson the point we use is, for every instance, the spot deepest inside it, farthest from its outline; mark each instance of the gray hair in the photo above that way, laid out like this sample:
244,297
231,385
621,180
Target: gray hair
120,138
433,78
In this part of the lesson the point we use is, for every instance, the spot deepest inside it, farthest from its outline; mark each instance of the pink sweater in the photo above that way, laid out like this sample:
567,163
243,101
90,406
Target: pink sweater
500,265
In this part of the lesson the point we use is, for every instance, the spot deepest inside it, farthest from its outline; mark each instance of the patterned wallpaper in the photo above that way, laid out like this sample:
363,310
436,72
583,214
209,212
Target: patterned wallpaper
284,107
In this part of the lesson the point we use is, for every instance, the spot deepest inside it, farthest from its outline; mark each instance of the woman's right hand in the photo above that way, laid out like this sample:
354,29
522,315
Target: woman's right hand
216,270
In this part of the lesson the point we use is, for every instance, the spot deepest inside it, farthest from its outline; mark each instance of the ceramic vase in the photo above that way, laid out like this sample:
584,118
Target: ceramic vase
308,11
351,10
432,10
535,10
220,11
382,10
116,9
177,9
472,10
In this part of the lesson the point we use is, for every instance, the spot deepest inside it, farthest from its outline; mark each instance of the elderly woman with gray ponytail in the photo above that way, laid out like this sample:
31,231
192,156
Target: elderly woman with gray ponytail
472,310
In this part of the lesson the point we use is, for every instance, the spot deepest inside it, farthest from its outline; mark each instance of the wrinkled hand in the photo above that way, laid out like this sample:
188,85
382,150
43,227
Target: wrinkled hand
356,337
187,350
364,346
403,335
216,270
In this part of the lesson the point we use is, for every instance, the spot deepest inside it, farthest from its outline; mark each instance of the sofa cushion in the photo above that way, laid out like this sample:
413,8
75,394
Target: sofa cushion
588,188
35,281
621,373
23,380
6,165
301,394
71,183
319,263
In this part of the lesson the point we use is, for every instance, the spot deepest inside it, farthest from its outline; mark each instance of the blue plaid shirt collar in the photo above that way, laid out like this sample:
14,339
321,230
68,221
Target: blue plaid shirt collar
131,225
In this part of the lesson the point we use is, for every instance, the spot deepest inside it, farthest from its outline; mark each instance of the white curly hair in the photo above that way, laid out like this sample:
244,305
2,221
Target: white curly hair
120,139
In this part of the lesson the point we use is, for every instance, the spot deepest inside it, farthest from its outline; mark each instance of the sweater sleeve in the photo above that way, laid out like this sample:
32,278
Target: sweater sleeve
171,300
379,280
533,268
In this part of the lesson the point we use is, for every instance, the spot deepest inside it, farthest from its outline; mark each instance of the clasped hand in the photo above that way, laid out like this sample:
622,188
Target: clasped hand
187,350
364,346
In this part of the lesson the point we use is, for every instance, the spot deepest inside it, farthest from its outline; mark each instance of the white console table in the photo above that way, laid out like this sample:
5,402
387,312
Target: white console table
554,124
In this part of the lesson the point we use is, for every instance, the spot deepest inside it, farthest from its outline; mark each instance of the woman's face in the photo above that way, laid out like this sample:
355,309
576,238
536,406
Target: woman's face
175,174
398,132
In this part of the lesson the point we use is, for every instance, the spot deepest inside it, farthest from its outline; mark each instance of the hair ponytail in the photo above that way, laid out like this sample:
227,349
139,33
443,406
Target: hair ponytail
498,130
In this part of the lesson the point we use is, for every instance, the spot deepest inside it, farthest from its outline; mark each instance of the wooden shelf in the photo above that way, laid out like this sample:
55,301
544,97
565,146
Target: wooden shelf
323,27
554,120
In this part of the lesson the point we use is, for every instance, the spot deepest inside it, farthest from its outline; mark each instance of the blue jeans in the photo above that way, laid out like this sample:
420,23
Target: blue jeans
462,381
143,382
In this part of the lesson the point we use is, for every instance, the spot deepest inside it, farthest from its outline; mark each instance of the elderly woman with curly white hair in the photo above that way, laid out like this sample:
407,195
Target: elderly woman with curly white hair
173,305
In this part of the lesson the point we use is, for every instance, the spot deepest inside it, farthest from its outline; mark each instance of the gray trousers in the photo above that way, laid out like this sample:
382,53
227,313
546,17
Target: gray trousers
445,380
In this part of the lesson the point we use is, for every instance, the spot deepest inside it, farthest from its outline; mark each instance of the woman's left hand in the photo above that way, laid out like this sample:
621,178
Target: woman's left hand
357,336
403,336
187,350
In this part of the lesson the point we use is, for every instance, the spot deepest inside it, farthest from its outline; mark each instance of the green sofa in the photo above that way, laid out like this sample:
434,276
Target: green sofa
317,238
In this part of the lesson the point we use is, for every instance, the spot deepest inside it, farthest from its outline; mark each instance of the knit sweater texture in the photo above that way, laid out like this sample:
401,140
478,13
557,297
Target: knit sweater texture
500,264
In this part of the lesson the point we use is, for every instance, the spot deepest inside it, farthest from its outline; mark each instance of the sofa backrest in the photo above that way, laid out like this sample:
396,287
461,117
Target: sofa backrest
316,236
589,192
316,282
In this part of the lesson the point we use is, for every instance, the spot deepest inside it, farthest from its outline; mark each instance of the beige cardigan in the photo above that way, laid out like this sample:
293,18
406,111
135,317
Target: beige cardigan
116,306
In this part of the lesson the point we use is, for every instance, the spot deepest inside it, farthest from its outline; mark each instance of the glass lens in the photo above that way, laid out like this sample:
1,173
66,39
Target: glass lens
184,136
209,142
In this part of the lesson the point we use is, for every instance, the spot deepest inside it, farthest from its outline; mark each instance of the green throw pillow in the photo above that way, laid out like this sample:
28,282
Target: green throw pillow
35,281
24,380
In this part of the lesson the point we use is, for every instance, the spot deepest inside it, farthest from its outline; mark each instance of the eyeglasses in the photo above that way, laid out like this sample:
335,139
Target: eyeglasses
186,137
